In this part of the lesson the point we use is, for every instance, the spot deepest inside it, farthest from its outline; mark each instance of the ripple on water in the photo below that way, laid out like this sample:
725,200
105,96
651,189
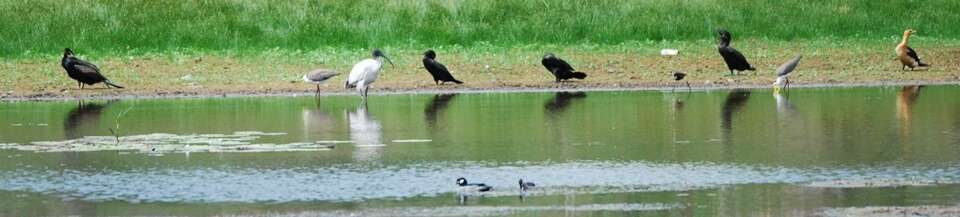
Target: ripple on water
356,182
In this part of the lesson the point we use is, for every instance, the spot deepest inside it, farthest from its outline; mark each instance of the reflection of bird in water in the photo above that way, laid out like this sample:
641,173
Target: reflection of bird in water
561,100
366,134
784,107
734,103
84,116
905,99
437,105
316,121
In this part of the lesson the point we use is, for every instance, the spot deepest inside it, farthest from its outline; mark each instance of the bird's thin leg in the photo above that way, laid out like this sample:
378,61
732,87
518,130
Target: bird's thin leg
688,85
365,91
79,85
436,81
732,73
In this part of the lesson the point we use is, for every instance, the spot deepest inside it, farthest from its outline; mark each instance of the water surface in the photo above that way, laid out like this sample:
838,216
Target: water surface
617,153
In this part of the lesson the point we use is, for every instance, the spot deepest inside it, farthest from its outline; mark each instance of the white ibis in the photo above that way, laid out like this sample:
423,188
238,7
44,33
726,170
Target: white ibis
783,74
365,72
82,71
735,60
907,56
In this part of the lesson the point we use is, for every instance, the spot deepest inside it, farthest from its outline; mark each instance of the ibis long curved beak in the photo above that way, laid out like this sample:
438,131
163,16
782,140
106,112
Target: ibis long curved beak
388,60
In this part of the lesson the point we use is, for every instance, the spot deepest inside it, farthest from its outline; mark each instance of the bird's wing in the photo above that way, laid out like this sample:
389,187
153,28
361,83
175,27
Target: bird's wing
565,65
357,73
85,67
434,67
321,75
441,70
788,66
913,54
734,58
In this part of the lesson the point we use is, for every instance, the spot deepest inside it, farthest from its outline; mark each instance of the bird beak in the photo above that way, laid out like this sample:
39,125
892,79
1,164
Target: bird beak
388,60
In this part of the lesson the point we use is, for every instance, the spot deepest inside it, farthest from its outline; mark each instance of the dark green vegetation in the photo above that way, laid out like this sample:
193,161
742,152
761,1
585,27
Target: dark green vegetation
122,28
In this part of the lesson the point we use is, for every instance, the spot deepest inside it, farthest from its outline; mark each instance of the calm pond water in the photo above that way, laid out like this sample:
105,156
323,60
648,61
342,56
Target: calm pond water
616,153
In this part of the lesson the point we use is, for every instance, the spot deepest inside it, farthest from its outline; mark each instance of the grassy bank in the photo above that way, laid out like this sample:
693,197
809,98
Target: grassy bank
106,28
485,67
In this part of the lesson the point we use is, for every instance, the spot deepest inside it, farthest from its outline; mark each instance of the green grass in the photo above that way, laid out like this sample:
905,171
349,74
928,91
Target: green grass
124,28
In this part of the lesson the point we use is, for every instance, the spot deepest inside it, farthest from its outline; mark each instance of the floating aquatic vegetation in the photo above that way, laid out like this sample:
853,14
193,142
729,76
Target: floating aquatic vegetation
171,143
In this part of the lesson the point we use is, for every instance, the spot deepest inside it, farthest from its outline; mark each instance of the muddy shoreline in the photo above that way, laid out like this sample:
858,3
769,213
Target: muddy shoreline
102,93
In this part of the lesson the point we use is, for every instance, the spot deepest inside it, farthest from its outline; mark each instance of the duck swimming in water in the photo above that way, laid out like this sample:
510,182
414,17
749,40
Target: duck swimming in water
472,187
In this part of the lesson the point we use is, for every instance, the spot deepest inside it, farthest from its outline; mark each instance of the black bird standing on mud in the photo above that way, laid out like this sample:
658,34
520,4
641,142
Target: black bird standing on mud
735,60
560,69
82,71
438,71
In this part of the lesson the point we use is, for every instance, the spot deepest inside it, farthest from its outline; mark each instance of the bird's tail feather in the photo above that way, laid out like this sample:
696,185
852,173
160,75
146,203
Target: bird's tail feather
579,75
922,64
752,68
111,84
348,85
457,81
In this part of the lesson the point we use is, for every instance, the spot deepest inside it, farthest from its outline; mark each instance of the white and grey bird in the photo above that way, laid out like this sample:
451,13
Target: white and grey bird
465,187
365,73
318,76
783,74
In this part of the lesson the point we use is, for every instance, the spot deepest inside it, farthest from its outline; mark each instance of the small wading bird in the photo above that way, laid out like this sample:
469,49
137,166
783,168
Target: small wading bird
783,74
439,72
319,76
560,69
735,60
82,71
678,76
365,73
907,56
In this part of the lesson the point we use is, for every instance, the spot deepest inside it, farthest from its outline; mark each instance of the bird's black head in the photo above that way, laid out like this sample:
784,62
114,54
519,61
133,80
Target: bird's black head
724,35
430,54
377,53
549,56
67,52
461,181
